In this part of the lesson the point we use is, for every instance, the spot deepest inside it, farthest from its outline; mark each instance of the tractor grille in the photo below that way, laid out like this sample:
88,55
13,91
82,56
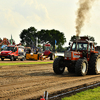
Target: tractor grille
67,54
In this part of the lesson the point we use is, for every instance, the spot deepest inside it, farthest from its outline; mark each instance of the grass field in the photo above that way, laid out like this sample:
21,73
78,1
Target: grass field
91,94
25,63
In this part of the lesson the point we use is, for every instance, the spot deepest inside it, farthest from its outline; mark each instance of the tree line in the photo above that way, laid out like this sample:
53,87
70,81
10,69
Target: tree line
28,38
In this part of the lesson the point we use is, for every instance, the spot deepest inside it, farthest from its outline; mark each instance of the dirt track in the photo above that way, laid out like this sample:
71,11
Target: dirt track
30,81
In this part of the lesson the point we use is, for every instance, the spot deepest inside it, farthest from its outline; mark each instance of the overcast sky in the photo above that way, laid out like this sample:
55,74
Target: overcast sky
16,15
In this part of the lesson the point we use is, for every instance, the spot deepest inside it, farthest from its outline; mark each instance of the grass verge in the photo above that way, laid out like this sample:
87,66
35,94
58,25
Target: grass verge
24,63
91,94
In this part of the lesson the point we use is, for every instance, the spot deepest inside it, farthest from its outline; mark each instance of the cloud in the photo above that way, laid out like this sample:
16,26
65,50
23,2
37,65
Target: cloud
11,18
16,15
31,8
27,11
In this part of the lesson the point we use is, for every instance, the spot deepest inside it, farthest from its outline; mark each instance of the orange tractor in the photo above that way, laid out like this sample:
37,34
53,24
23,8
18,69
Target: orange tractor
82,58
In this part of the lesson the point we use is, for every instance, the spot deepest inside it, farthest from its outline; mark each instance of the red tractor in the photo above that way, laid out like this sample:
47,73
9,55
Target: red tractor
47,53
82,58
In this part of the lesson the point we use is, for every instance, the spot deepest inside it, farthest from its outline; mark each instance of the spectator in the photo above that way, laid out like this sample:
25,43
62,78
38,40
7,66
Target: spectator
36,51
29,50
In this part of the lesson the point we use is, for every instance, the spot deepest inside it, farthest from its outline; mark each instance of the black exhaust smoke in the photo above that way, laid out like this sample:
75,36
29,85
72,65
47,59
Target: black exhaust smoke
82,14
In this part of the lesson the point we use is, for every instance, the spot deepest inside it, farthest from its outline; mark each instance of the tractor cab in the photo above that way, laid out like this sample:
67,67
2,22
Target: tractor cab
83,44
80,44
80,48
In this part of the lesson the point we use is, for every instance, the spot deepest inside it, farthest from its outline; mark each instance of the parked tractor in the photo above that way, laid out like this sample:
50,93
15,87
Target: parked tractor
47,53
81,58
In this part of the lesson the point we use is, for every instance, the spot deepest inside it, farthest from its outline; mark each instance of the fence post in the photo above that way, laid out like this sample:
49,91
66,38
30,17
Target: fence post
46,95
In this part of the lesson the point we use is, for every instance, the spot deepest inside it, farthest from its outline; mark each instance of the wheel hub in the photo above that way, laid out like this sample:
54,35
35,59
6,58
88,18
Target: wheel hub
84,67
98,65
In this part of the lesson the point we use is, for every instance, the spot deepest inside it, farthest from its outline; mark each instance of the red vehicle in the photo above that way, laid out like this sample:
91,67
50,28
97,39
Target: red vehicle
13,52
48,52
82,58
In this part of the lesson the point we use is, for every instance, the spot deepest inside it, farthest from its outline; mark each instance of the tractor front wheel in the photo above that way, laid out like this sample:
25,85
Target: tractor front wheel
58,65
81,67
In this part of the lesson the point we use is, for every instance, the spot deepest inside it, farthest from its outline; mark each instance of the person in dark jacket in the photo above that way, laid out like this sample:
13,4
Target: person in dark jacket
36,51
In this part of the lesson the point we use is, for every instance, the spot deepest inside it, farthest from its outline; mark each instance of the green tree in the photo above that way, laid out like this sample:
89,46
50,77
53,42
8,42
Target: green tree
91,38
74,37
59,48
43,36
28,36
51,36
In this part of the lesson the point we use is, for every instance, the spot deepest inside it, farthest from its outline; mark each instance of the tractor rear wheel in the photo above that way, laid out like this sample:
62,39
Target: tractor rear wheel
94,64
52,56
81,67
58,65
